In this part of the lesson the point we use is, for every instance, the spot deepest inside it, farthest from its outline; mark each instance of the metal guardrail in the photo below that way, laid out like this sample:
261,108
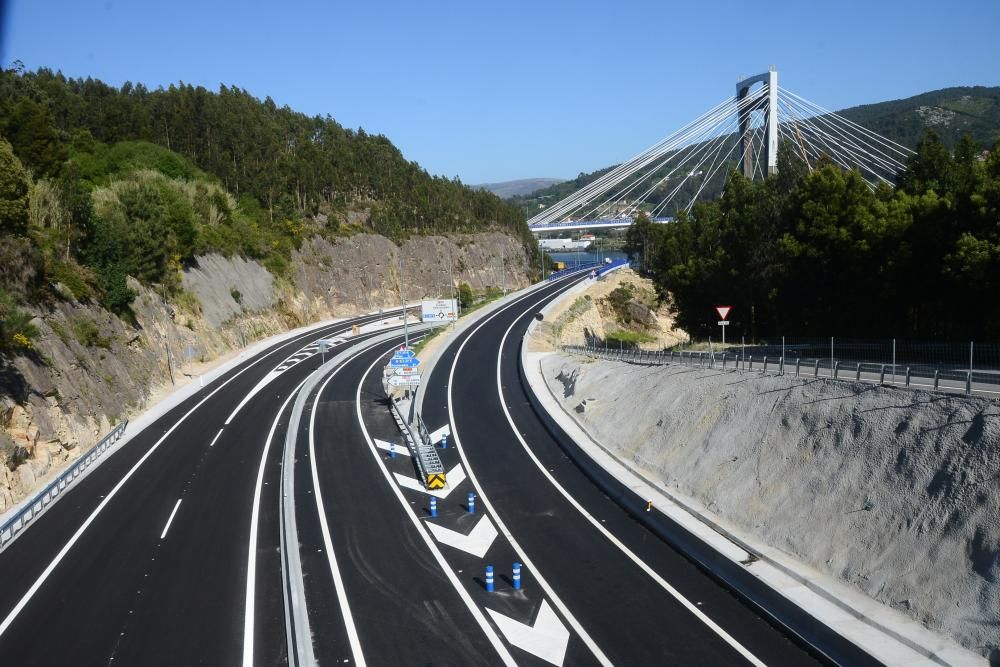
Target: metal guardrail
922,376
572,269
432,474
42,500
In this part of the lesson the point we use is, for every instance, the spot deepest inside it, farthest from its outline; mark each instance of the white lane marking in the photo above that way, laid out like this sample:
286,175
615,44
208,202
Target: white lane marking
477,542
111,494
248,614
248,619
388,446
698,613
171,519
455,476
547,638
267,379
216,438
338,580
587,639
436,435
476,612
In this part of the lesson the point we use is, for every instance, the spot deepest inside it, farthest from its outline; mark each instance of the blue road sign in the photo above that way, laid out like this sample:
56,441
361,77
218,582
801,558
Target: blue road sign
404,354
404,363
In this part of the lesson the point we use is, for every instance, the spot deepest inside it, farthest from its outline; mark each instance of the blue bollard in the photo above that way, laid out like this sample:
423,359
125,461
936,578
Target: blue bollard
434,506
489,578
517,576
392,450
472,503
444,441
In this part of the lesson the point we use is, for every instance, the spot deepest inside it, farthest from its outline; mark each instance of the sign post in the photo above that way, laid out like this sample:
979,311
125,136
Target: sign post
723,322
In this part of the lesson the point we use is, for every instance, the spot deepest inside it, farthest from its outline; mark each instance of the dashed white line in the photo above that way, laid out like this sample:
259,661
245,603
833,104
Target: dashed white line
212,444
170,520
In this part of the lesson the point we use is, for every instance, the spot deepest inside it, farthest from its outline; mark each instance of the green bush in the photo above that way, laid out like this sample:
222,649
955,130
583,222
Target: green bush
87,333
627,339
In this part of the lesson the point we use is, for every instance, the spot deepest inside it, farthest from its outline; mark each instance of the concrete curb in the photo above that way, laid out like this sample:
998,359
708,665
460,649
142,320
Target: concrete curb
843,625
300,646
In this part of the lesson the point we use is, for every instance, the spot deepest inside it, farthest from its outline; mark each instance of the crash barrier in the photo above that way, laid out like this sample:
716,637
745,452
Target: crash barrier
432,474
44,499
969,382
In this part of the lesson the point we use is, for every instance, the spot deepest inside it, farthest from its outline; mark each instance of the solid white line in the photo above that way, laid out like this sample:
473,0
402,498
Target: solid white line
212,444
111,494
331,556
700,615
248,613
170,520
587,639
476,612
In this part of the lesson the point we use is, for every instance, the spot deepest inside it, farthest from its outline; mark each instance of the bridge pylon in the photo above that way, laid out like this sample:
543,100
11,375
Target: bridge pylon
766,100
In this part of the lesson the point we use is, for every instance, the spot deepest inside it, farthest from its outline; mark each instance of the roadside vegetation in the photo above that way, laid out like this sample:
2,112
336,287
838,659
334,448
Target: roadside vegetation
818,253
98,184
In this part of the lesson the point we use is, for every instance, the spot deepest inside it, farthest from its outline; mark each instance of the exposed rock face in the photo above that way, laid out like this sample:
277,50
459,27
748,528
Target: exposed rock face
91,369
362,272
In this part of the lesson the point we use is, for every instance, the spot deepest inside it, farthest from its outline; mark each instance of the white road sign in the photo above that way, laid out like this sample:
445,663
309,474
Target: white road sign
409,381
439,310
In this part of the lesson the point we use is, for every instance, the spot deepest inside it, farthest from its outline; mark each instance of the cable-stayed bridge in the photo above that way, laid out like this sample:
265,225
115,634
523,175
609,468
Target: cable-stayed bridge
742,131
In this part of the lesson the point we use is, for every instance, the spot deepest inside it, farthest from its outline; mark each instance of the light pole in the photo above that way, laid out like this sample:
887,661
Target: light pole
402,295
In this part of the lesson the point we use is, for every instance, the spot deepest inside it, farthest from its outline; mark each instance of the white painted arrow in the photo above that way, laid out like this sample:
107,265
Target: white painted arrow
400,449
476,542
547,638
454,477
436,435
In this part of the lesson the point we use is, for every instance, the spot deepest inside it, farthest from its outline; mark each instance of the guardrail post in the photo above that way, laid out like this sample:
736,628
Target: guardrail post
936,372
797,361
836,369
968,384
881,377
516,576
907,376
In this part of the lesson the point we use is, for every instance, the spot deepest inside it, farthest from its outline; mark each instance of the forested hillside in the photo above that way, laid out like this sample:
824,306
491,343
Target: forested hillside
98,183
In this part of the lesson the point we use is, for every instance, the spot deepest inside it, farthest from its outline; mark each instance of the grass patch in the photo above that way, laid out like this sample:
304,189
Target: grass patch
87,333
627,339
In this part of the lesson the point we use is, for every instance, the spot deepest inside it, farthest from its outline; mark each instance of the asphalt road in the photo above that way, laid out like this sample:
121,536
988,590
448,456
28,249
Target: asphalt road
99,579
609,581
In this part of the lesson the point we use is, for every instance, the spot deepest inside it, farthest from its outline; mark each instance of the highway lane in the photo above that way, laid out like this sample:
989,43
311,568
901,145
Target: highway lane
402,605
634,619
122,592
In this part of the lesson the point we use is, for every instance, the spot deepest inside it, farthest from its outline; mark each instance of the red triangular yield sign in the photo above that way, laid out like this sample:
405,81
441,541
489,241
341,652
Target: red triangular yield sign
723,310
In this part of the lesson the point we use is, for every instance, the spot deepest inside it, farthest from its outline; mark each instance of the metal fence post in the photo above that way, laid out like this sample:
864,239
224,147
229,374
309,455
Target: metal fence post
857,378
936,379
816,369
781,361
765,365
797,360
893,362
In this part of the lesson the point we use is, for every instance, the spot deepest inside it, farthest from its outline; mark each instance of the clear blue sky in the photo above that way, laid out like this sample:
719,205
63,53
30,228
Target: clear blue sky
504,90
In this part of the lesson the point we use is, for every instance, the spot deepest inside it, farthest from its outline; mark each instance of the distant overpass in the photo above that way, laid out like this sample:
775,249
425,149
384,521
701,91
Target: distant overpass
577,225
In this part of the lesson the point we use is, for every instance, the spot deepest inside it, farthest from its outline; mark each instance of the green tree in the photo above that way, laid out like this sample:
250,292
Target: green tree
14,188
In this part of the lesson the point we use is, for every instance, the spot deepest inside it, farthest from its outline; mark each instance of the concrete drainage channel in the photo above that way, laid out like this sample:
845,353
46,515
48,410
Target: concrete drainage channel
299,635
